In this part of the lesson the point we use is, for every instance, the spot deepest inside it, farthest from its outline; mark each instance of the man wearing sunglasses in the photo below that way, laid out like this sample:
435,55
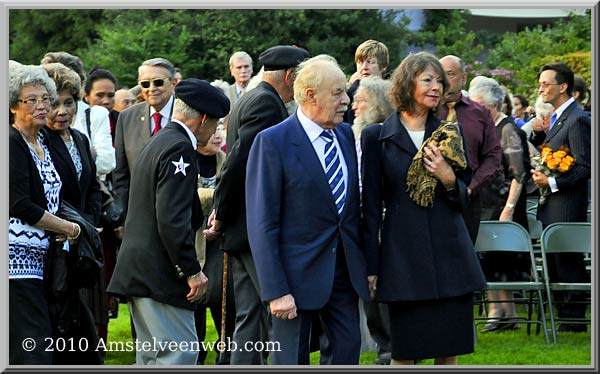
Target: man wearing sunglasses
137,124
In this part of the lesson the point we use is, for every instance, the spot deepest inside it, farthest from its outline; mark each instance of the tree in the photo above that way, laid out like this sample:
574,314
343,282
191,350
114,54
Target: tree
444,32
199,41
525,52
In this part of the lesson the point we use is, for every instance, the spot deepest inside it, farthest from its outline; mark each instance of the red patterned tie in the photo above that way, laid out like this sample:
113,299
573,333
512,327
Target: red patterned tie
157,127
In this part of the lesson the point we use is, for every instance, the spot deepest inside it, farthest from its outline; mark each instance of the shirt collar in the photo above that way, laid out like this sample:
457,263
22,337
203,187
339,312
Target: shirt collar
189,132
310,127
559,111
166,110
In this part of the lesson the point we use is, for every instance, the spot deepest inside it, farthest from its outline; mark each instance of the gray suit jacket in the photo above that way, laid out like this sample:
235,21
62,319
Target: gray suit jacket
131,134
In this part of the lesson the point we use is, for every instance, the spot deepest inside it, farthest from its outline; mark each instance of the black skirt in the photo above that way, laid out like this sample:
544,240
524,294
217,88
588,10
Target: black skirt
432,328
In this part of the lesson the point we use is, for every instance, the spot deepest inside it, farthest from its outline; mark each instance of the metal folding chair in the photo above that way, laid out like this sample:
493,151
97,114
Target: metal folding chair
565,237
511,237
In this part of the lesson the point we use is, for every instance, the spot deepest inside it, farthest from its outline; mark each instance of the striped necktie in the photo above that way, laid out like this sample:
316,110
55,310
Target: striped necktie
333,171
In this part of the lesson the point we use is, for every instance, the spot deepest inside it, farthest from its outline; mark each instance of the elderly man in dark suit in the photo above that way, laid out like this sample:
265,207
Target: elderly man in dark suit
569,127
260,108
139,122
157,268
303,213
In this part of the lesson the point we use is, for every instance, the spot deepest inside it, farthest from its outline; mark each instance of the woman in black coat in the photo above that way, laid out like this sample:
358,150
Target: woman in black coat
70,148
72,157
34,226
421,260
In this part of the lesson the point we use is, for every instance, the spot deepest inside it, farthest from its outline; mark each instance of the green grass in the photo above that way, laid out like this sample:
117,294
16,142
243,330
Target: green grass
492,349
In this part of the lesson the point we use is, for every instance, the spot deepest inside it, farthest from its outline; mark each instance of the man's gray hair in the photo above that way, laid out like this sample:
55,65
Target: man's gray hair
310,74
186,111
25,75
239,55
159,61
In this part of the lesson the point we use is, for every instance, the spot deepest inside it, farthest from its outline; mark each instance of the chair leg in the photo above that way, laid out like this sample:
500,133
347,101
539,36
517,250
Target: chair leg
551,310
543,315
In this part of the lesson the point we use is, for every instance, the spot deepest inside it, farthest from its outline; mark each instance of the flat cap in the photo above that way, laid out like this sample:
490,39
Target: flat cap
282,57
202,96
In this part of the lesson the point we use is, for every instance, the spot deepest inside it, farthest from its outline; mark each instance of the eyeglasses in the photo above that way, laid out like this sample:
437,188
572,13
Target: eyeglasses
33,101
545,85
158,82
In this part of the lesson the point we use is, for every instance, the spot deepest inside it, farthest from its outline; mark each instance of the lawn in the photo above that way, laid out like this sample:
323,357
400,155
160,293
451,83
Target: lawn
492,349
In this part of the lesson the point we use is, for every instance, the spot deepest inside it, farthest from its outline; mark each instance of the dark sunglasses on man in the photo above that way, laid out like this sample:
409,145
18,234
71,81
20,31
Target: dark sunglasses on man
158,82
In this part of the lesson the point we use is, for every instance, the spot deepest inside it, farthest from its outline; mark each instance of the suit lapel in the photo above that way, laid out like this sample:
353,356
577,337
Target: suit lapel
558,125
394,132
305,153
143,124
63,153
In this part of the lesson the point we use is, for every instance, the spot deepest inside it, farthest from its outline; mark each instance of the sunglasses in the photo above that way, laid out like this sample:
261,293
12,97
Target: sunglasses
158,82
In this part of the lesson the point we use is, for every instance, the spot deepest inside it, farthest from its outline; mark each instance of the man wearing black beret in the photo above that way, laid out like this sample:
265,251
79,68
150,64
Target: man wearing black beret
157,268
260,108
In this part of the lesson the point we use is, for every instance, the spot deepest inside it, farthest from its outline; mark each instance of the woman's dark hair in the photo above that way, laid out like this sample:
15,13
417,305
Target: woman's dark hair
404,77
523,100
97,74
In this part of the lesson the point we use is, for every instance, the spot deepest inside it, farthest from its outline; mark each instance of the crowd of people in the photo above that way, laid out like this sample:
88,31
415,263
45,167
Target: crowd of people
291,204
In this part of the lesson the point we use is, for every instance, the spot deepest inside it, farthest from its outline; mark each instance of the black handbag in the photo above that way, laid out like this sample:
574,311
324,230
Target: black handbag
111,214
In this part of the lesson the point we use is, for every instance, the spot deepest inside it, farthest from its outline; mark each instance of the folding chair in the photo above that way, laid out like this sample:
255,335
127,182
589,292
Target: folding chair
532,204
565,237
511,237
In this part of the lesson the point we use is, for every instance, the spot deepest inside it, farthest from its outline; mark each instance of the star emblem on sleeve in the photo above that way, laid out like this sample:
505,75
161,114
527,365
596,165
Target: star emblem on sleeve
180,166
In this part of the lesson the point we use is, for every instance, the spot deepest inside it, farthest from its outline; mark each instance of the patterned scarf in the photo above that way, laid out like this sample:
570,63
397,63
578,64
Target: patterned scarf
420,184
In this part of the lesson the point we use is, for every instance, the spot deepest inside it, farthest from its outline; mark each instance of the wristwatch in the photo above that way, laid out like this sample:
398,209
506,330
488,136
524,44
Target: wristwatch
510,205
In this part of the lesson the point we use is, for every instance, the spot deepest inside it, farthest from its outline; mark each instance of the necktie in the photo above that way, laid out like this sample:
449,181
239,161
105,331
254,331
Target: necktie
333,171
451,111
156,116
552,120
243,92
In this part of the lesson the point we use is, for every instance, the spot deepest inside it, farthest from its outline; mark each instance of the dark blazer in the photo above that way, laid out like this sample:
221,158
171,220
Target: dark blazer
257,110
27,200
82,194
157,254
424,253
569,204
293,224
131,134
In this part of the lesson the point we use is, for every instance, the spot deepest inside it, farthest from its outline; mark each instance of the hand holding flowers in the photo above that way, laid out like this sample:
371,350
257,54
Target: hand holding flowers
550,164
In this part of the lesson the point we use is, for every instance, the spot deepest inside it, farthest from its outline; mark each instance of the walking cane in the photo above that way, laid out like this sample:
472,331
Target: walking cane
224,297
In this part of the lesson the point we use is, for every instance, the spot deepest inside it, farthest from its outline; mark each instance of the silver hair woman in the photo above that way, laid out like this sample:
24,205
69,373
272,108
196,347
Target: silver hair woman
505,200
371,105
35,190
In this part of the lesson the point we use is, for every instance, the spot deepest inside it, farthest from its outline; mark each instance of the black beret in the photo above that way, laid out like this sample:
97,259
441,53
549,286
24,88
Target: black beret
282,57
203,97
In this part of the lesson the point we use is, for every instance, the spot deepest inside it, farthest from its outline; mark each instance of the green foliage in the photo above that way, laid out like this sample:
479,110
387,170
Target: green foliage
525,52
32,33
444,29
199,41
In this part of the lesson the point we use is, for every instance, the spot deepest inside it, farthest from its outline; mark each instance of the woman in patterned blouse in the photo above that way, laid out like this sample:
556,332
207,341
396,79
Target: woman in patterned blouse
34,197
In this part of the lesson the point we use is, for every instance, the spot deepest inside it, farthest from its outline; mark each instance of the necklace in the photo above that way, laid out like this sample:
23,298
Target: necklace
34,146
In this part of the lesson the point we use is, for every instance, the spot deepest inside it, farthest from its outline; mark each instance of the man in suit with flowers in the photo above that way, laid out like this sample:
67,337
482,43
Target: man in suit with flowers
567,200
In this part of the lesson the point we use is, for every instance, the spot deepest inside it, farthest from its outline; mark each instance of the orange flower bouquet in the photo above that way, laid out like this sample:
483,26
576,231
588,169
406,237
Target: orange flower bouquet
552,163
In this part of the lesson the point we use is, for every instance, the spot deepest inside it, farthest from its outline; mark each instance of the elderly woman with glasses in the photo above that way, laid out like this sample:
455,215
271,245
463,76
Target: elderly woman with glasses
34,197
